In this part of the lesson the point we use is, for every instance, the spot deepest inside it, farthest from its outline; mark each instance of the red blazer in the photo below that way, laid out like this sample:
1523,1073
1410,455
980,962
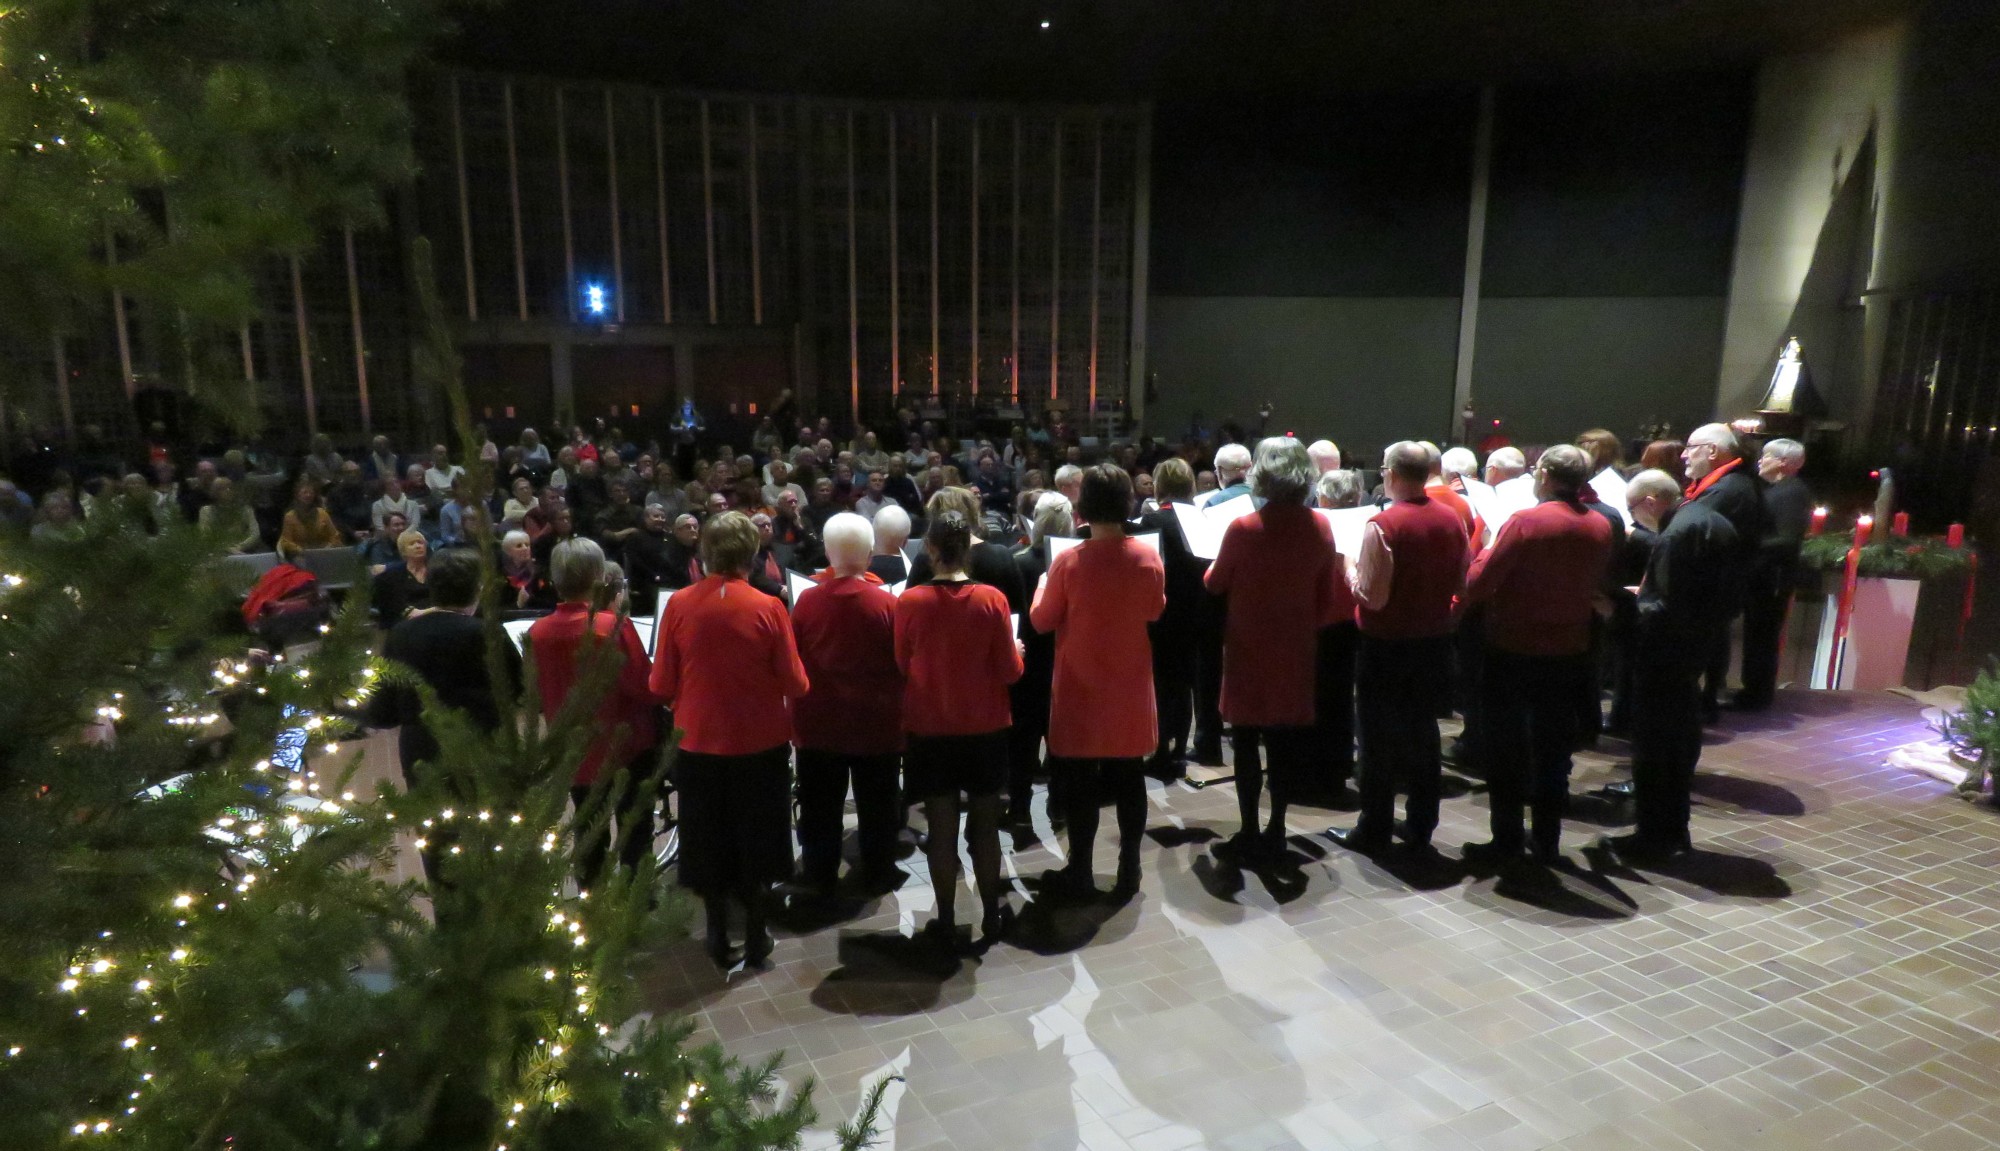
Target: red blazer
725,660
1098,599
957,654
1278,567
846,631
1541,577
625,722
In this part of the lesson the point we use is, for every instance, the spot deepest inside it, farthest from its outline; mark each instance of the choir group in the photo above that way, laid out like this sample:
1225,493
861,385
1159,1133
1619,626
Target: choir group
1290,608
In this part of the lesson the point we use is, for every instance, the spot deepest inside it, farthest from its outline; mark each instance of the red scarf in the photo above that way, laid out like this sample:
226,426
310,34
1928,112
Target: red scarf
1708,481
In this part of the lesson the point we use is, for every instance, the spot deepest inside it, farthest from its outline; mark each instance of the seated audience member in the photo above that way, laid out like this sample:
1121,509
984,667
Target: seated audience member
727,664
588,494
307,524
445,645
540,517
767,574
403,586
956,649
620,764
349,502
520,501
619,520
322,463
1204,484
652,561
380,550
667,492
565,470
898,486
230,519
527,588
892,532
165,498
822,506
779,483
874,497
442,473
562,526
534,452
194,492
381,466
454,526
849,724
286,605
396,499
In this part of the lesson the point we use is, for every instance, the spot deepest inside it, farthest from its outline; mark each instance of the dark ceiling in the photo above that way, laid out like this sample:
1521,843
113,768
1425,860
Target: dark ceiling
1151,49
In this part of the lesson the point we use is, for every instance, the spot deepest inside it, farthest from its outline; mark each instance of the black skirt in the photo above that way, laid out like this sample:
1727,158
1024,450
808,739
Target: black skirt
935,765
735,819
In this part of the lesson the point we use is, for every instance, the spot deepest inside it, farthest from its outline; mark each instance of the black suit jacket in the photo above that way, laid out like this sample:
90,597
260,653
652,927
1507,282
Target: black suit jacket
447,650
1690,585
1175,632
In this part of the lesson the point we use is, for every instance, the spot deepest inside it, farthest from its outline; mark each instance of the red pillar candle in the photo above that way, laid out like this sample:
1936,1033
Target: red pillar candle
1954,536
1818,521
1900,526
1861,530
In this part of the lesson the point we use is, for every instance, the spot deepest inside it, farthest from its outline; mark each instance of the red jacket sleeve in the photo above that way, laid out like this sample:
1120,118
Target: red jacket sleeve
1052,598
785,663
666,678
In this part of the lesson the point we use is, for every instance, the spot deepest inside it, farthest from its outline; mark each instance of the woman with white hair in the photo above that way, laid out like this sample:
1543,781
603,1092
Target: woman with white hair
1029,695
848,726
529,590
1277,568
727,664
892,531
619,762
1098,599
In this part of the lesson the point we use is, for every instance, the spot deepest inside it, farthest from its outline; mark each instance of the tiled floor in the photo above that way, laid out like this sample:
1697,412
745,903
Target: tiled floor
1825,975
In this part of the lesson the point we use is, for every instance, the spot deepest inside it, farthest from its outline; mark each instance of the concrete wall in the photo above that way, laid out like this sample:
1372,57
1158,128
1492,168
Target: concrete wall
1815,113
1556,366
1363,372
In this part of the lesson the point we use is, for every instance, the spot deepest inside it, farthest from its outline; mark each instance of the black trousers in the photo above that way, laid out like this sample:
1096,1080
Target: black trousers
1763,633
1666,742
1715,676
1208,674
1588,690
1086,784
1468,653
1173,696
823,783
633,815
1531,728
1024,758
1399,685
1333,704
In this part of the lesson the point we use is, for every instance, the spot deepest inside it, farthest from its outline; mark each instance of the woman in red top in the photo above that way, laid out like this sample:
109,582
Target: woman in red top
1098,598
566,647
725,661
1277,567
955,646
850,724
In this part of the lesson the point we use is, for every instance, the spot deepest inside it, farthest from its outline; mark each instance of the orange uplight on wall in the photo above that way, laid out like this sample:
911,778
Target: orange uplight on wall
753,409
510,411
635,409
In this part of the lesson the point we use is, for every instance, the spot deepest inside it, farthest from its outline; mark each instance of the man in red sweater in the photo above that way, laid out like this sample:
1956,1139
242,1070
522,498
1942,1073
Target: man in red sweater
1540,582
849,726
1411,568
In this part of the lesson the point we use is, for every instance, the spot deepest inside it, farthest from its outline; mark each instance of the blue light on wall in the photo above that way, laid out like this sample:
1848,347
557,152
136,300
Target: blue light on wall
596,301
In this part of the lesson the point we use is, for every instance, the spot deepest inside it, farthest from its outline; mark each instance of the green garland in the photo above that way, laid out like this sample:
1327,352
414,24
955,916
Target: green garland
1926,558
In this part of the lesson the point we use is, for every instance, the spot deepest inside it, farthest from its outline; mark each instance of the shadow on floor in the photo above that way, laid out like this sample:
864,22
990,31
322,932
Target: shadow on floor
889,973
1753,795
1564,891
1731,876
1052,925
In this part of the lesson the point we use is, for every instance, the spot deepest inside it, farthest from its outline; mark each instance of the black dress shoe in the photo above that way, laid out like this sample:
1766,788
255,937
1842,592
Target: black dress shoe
995,926
1069,882
1492,853
720,952
1127,884
1359,841
1637,848
757,949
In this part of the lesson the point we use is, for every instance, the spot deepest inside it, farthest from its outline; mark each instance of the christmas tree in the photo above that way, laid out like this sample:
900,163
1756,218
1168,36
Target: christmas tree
193,881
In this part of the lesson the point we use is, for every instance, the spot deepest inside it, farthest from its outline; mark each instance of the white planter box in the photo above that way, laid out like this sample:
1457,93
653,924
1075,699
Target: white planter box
1878,636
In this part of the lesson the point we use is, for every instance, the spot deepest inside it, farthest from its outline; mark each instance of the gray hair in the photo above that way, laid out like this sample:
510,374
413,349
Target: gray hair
1231,461
1726,441
1338,488
1284,473
1652,482
1567,466
1407,460
508,539
1325,452
1791,453
849,541
1053,517
1068,474
1460,462
892,525
1432,456
576,567
1507,457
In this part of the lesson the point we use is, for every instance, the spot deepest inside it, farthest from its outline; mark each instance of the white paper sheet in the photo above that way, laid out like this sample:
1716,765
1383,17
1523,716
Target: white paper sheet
1485,504
652,638
1515,495
798,585
647,629
1204,527
517,630
1060,544
1347,524
896,589
1610,488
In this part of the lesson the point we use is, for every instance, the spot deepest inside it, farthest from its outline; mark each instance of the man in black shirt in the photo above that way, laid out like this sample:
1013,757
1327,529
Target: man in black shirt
1684,603
445,645
1721,480
1774,573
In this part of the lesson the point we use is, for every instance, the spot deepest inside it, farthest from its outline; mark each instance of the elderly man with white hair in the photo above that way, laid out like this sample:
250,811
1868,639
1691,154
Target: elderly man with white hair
1788,513
1459,463
1069,481
1503,464
1721,479
892,531
1325,456
848,726
1232,473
